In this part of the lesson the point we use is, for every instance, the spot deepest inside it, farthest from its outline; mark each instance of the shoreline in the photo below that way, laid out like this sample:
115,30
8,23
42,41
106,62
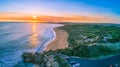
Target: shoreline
47,43
55,43
59,41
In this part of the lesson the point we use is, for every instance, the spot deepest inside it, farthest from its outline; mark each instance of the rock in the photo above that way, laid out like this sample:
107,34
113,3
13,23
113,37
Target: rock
28,57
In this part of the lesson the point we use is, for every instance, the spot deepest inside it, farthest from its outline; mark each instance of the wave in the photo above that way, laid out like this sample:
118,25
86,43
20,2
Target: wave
16,39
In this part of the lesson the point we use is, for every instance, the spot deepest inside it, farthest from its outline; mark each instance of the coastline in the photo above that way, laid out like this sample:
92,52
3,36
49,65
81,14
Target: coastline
47,43
60,40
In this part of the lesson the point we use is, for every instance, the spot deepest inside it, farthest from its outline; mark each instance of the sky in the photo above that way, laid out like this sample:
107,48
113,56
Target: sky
91,8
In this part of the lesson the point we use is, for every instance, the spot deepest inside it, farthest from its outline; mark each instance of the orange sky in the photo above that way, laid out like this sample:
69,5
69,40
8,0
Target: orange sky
21,17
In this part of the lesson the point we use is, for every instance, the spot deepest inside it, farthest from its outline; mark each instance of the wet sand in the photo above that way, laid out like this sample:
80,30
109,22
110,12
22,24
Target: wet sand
60,41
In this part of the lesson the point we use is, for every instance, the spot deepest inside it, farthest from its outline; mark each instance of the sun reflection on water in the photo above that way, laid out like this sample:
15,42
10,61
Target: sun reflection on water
33,39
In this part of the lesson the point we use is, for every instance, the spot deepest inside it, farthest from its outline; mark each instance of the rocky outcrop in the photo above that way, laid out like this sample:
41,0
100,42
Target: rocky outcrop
41,59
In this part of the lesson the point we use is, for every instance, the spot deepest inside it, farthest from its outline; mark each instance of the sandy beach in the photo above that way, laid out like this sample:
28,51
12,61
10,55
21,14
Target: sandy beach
60,41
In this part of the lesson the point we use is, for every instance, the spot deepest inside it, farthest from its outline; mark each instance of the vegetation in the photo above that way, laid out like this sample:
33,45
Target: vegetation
85,51
83,40
61,61
45,59
79,33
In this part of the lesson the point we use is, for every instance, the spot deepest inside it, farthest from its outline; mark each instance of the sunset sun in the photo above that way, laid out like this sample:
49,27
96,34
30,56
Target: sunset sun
34,17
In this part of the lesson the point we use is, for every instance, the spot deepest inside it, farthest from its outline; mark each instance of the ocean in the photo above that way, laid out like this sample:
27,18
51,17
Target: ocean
16,38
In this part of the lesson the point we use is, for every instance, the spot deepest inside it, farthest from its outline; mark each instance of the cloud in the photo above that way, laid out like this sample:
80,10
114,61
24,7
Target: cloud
19,17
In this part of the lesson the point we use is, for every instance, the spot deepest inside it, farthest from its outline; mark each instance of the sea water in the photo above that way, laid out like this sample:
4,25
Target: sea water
16,38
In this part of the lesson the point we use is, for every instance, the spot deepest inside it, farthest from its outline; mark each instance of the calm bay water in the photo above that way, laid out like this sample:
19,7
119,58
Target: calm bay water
16,38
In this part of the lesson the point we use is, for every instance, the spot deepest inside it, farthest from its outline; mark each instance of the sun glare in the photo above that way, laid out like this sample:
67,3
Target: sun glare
34,17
